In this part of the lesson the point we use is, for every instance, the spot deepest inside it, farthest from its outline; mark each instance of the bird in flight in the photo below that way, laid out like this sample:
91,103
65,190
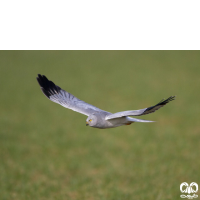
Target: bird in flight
97,118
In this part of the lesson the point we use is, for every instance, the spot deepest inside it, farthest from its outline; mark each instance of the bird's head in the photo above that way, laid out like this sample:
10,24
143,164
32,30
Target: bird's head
91,120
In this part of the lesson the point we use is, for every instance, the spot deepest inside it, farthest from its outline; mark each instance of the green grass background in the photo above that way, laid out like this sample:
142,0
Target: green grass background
47,152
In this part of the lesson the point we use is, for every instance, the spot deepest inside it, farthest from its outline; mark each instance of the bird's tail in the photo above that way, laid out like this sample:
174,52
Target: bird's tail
131,119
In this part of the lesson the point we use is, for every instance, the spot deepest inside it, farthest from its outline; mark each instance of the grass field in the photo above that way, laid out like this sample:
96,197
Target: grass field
48,153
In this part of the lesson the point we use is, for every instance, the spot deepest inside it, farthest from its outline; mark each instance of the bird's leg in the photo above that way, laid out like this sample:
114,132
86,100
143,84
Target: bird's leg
129,123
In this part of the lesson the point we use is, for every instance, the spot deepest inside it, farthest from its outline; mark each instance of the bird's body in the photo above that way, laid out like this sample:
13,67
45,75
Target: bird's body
97,118
102,123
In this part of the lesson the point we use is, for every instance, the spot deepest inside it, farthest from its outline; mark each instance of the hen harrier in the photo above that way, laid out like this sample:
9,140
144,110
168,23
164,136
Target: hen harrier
97,118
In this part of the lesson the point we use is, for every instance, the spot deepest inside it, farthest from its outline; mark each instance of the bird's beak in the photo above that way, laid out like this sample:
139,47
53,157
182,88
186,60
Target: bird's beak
87,123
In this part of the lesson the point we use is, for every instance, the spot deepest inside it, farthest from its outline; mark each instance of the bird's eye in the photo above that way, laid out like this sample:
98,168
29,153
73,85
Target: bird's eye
90,120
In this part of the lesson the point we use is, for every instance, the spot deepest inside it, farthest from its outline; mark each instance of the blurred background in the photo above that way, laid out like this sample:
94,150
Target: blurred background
47,152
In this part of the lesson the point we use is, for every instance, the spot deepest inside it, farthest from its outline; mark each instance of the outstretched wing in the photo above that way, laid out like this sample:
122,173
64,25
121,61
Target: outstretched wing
142,111
57,95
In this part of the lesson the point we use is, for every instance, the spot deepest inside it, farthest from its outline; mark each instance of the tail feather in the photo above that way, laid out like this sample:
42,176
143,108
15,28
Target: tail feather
131,119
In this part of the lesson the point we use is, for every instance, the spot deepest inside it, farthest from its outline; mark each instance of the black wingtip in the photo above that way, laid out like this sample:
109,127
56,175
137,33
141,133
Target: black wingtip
47,87
163,102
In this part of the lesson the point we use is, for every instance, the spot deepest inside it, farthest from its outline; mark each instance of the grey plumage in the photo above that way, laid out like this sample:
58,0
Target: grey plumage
140,112
96,117
57,95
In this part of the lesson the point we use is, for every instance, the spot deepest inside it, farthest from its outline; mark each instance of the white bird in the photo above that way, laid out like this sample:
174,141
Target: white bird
97,118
